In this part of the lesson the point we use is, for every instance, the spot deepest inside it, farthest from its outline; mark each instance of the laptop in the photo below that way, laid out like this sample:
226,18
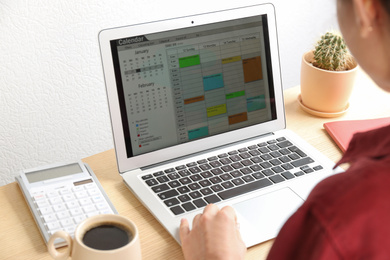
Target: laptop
197,113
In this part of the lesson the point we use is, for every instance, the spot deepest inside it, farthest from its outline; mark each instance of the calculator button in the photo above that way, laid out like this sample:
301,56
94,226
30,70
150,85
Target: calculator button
39,197
101,206
45,210
92,214
49,218
62,215
97,199
81,194
79,218
42,203
70,229
76,212
90,186
53,225
66,222
68,197
72,204
78,188
56,200
93,192
84,202
65,191
89,208
107,211
51,194
59,207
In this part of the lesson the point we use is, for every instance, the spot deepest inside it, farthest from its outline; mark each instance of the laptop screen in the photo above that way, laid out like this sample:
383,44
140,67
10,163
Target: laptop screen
187,84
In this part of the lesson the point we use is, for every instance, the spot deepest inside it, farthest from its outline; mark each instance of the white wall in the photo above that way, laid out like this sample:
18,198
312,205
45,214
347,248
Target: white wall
52,96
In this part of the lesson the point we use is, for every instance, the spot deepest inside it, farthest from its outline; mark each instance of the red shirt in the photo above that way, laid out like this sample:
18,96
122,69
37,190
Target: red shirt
346,216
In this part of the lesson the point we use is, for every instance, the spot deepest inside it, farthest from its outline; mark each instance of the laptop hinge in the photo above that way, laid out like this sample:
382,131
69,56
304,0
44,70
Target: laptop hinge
201,152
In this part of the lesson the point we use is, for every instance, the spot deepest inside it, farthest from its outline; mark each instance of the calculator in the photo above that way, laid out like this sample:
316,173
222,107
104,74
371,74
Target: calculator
60,196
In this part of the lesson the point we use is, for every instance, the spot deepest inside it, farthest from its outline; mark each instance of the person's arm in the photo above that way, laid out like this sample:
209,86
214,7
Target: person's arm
214,235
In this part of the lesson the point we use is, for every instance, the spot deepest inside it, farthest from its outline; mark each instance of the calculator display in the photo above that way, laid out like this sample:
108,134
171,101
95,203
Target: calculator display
53,173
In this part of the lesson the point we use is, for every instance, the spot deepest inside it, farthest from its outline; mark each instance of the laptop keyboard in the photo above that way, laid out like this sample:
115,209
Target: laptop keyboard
196,184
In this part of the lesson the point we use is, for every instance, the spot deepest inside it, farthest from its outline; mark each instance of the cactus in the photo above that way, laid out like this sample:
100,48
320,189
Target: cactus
331,53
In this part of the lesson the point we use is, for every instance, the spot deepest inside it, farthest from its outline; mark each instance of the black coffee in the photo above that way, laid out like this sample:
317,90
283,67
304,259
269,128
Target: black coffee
106,237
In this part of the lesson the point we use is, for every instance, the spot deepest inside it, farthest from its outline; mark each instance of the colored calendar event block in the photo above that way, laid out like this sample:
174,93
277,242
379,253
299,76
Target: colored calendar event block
216,110
235,94
238,118
189,61
213,82
193,100
252,69
231,59
255,103
198,133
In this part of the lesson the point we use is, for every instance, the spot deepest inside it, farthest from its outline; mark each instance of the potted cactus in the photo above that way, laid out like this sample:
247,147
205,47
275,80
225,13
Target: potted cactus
327,77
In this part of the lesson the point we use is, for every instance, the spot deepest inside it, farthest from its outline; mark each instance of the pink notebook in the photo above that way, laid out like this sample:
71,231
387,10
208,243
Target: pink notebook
342,131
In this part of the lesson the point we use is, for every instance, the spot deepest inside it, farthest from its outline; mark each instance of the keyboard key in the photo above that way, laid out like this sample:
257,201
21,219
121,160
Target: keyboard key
195,194
239,190
258,175
212,199
215,179
297,150
163,179
284,144
216,171
184,198
160,188
195,169
151,182
174,176
194,186
200,203
177,210
217,188
183,189
188,206
205,183
276,178
238,181
248,178
174,184
227,185
205,167
196,177
302,162
160,173
185,180
168,194
288,175
225,161
149,176
184,173
171,202
227,168
206,191
206,174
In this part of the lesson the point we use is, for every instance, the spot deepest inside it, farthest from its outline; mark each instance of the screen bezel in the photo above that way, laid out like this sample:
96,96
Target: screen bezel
126,163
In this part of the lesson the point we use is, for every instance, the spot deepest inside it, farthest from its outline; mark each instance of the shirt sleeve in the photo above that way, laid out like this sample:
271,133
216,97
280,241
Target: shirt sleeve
303,236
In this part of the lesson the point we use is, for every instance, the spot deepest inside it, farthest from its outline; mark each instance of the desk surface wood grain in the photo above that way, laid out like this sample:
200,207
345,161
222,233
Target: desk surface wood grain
20,237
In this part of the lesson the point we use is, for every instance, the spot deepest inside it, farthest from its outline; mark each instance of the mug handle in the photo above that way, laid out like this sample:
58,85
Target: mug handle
53,251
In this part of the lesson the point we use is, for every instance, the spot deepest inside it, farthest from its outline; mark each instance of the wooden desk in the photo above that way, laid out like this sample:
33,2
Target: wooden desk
20,237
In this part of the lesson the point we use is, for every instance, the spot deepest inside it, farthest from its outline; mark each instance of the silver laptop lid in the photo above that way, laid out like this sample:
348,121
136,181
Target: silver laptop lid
185,85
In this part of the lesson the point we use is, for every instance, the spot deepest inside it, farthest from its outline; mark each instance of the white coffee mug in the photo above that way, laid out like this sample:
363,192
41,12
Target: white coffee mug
121,249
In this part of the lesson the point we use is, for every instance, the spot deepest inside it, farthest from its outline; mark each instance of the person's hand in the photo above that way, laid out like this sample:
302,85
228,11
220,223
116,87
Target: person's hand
214,235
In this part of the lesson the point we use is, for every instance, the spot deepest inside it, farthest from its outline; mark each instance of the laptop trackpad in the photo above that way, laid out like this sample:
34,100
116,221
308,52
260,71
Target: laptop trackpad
262,217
